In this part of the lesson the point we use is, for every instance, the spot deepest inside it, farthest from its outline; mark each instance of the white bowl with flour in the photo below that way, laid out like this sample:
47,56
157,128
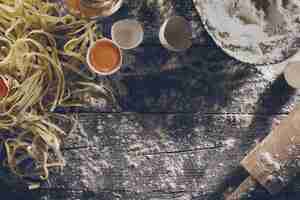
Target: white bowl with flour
253,31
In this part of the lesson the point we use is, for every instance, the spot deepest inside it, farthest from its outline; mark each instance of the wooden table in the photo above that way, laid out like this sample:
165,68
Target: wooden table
185,121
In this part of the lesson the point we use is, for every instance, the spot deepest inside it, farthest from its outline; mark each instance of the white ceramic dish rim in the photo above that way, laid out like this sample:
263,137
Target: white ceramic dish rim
110,11
163,39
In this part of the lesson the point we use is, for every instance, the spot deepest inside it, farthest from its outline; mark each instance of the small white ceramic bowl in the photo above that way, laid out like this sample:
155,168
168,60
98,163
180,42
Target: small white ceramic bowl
92,68
127,33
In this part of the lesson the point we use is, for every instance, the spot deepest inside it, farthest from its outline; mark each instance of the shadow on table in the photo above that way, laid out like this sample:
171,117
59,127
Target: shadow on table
198,80
234,179
271,102
293,189
12,193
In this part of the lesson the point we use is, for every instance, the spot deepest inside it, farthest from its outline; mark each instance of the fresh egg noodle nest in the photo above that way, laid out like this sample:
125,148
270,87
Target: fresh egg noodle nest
35,66
253,31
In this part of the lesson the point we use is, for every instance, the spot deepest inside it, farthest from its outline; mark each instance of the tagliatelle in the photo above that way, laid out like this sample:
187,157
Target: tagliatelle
36,43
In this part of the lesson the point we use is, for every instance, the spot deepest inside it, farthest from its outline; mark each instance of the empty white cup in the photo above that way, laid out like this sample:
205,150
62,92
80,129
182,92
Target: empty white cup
127,33
175,34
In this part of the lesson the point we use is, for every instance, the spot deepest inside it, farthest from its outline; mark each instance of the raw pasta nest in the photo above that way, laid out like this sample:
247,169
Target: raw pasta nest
37,46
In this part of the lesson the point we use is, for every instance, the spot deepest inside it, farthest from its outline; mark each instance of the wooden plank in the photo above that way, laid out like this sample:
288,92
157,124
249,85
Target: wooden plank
157,156
202,79
230,90
215,88
210,83
148,156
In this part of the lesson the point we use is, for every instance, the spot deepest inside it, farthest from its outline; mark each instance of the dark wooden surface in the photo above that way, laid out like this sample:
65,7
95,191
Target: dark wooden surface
184,123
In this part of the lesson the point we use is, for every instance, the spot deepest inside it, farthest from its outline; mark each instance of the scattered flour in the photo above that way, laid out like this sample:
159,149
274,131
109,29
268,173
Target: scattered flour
229,143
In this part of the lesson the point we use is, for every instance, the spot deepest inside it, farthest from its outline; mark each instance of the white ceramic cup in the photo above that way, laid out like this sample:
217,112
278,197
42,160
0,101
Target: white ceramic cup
175,34
127,33
90,65
292,74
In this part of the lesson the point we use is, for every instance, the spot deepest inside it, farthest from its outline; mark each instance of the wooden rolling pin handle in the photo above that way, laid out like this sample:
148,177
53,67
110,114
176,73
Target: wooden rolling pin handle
244,190
273,162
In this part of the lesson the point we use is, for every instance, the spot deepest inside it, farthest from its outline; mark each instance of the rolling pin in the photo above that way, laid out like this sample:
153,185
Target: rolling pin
275,161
